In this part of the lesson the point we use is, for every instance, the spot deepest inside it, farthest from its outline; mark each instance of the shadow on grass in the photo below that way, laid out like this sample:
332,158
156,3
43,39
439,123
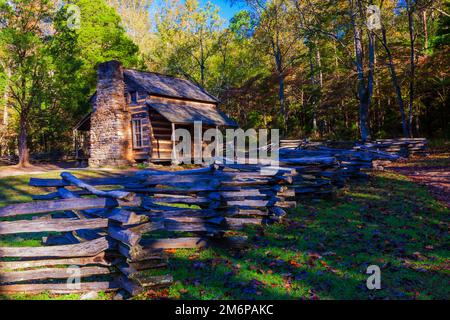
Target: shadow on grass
325,247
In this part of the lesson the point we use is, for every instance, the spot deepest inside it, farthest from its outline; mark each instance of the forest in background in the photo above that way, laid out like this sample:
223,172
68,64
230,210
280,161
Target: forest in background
310,67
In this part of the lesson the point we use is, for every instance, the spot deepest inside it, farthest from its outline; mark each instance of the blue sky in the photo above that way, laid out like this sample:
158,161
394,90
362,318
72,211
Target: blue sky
227,10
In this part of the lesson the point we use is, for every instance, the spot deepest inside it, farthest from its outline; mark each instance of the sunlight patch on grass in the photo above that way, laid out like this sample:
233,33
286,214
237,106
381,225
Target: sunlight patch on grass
15,189
365,196
50,296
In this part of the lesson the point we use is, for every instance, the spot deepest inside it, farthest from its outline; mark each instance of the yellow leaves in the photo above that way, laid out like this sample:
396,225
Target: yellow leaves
157,294
295,264
288,286
194,256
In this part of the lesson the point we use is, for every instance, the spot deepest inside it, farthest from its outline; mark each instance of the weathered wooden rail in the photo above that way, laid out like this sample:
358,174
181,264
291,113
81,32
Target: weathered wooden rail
323,166
111,235
380,148
403,147
320,170
116,230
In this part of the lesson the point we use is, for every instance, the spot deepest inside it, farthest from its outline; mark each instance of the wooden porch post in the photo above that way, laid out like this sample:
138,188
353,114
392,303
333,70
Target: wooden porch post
174,153
217,143
75,143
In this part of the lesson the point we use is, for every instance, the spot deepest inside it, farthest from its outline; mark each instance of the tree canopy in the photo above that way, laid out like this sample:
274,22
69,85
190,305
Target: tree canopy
312,68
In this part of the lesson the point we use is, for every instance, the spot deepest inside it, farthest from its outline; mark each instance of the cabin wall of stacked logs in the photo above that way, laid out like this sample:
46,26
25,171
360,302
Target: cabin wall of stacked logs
108,233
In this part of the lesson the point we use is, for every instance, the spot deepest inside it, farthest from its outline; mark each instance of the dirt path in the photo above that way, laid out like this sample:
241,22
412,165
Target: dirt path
8,171
432,171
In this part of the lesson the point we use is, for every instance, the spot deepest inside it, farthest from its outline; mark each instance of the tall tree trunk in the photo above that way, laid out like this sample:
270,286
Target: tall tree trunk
302,103
313,83
6,98
364,93
282,100
5,108
417,125
202,73
319,65
398,89
281,76
336,61
370,80
425,31
376,118
320,74
364,115
412,39
24,159
202,60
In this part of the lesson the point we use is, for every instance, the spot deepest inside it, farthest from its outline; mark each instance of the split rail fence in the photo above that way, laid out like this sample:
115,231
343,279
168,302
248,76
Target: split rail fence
113,237
113,232
402,147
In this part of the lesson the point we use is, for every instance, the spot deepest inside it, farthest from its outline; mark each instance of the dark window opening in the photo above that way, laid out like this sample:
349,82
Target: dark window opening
134,97
138,133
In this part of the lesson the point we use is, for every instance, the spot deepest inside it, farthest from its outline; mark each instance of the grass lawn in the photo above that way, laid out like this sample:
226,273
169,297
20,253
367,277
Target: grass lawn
321,251
16,189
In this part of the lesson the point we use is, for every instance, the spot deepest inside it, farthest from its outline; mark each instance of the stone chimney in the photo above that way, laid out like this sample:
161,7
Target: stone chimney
110,136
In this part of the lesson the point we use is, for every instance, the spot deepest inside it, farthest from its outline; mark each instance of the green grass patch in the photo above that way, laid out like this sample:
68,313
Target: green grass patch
324,249
49,296
321,251
15,189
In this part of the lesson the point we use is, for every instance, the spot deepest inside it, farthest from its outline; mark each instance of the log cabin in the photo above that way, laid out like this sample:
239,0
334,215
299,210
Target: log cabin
135,114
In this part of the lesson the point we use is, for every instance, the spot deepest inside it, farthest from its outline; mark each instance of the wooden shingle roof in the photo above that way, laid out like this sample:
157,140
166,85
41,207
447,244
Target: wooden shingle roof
167,86
190,113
